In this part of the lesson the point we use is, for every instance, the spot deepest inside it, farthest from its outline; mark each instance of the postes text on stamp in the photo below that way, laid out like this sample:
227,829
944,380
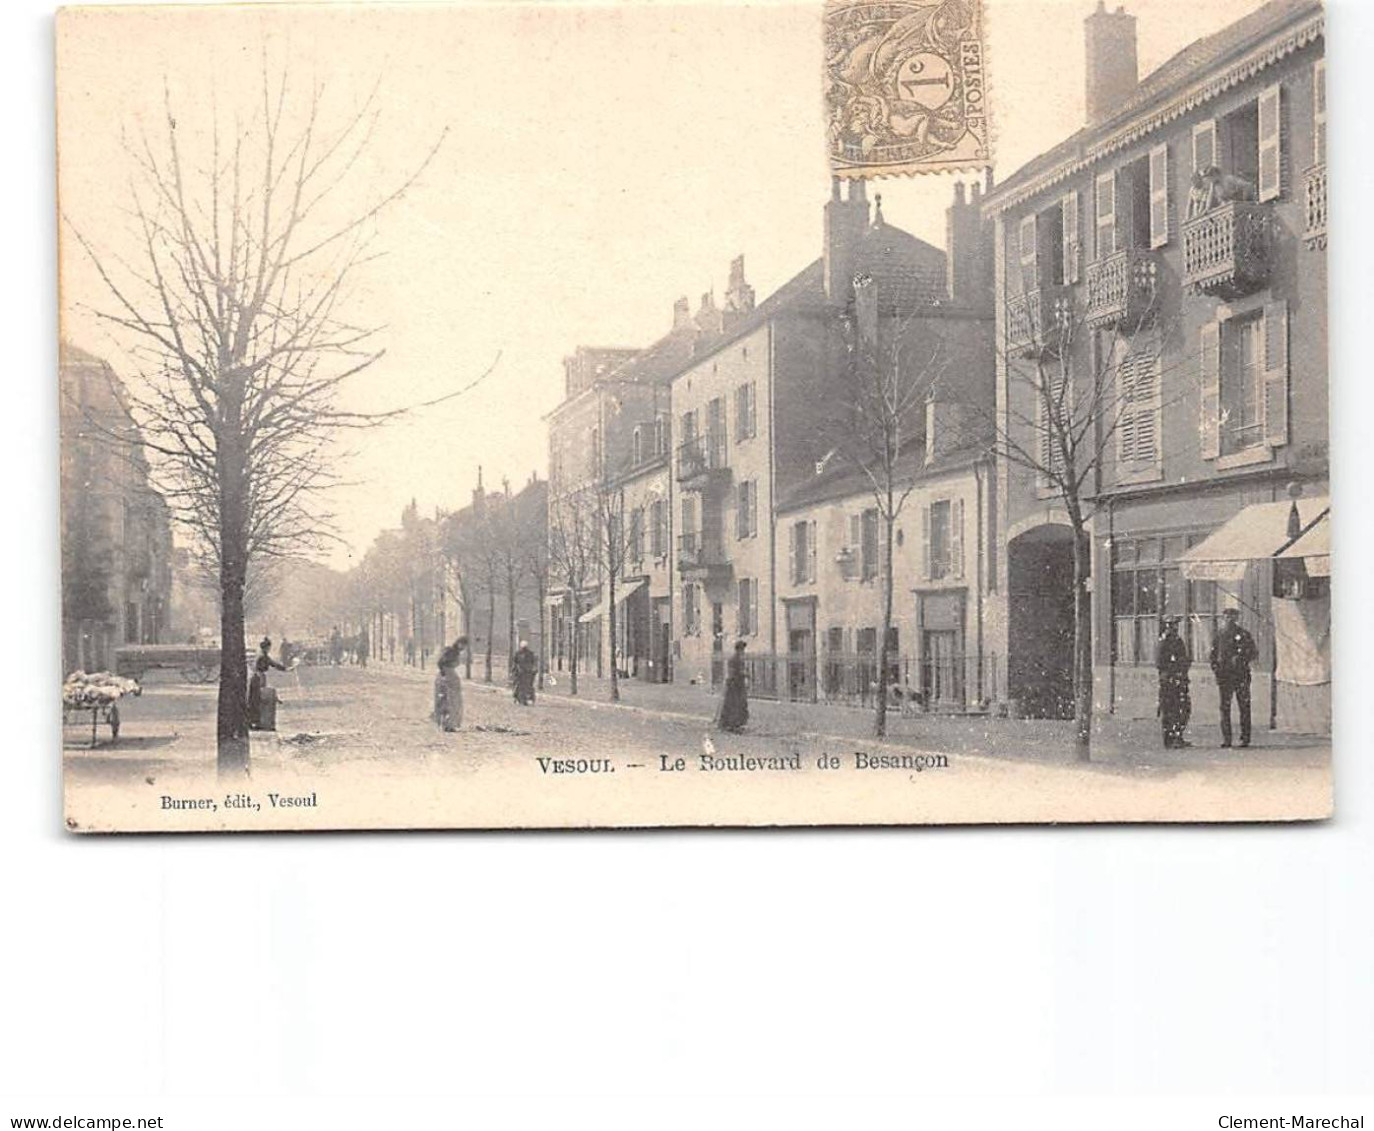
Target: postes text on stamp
905,86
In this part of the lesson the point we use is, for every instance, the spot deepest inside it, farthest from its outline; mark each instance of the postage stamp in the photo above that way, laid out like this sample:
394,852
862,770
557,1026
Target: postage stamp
905,87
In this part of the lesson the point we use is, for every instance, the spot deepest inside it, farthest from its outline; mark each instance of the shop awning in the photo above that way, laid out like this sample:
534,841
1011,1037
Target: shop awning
621,593
1259,531
1314,547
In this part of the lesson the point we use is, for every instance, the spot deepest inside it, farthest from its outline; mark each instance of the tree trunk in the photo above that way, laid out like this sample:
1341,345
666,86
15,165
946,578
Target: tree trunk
467,631
511,642
615,643
880,708
543,636
572,643
491,626
231,716
1082,647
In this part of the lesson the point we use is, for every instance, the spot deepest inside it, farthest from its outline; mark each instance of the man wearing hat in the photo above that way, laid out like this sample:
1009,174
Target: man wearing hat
1233,651
1175,700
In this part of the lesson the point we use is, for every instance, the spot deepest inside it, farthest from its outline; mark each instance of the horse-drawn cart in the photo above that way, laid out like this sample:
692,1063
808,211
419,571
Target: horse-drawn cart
98,694
196,663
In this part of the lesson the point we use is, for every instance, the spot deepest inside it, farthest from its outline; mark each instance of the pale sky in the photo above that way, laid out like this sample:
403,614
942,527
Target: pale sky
600,162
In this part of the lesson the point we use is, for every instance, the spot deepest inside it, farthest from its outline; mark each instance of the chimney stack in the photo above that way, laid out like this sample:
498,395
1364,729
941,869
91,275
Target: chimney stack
739,296
682,313
846,220
968,250
1112,68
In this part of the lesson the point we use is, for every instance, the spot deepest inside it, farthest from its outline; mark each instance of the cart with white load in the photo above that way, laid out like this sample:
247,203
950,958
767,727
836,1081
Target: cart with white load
96,693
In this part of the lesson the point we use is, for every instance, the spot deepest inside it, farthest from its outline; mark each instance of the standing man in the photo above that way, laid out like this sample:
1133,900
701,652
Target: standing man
1233,651
1175,699
524,666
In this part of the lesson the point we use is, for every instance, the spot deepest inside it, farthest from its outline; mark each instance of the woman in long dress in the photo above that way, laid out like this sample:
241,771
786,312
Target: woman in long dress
734,708
448,688
257,684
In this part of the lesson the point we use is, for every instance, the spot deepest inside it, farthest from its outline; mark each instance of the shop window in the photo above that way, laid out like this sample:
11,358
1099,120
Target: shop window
1147,585
1242,385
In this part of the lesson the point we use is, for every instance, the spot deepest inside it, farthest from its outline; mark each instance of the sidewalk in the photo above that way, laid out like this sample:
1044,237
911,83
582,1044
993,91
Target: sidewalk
1116,740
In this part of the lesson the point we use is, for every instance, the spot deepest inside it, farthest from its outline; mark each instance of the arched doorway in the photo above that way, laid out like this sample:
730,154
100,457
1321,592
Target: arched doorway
1040,621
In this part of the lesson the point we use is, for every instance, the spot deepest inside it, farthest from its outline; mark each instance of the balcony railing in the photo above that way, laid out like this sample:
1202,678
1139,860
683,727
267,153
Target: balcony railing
698,457
1314,206
1039,321
701,555
1122,289
1227,252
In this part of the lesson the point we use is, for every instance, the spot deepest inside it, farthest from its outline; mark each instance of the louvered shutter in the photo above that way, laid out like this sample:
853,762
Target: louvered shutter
1270,143
925,541
956,538
881,540
1209,425
1126,414
1319,112
1159,196
1204,145
1069,217
754,607
1105,195
1147,406
792,553
811,552
1029,279
1276,373
753,408
753,507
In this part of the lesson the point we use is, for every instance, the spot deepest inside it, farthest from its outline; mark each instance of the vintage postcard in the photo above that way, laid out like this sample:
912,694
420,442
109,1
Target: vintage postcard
555,415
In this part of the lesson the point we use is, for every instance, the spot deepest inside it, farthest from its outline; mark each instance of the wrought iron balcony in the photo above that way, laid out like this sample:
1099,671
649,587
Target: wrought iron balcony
702,556
1228,251
700,460
1122,289
1039,322
1314,206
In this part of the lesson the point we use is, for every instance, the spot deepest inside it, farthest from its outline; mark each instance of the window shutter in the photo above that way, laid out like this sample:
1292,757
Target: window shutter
925,541
1319,112
1106,214
1069,216
1148,404
956,538
811,551
754,607
753,408
792,553
1029,278
1204,145
1276,373
881,540
1209,426
1270,143
855,533
1159,196
753,508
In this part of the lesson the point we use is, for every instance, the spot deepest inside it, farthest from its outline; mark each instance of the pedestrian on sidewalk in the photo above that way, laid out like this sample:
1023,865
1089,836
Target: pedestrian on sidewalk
524,666
448,688
1175,700
734,707
262,700
1233,651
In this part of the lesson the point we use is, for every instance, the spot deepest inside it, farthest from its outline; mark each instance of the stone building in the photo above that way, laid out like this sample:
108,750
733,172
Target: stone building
1171,252
116,530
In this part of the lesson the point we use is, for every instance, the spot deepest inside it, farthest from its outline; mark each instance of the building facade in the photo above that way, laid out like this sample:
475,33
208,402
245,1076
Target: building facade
116,528
1161,283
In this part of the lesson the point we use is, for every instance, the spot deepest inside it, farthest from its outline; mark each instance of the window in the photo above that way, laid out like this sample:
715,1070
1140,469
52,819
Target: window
1068,223
1030,278
637,534
1239,146
1147,585
1242,395
637,447
1269,141
1159,196
868,544
1054,423
1204,146
689,516
747,508
658,528
944,542
1138,374
746,425
1105,211
801,553
660,435
747,611
1319,112
691,609
1133,189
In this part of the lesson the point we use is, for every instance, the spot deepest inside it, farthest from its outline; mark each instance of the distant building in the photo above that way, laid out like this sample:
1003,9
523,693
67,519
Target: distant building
116,530
1181,233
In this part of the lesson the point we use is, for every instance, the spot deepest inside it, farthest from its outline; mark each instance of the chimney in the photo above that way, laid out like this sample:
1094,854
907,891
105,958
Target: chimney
739,296
846,220
944,427
968,250
1112,72
682,313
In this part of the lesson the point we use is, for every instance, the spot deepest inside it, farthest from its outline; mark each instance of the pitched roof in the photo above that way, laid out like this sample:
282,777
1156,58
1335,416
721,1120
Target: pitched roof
1201,57
844,480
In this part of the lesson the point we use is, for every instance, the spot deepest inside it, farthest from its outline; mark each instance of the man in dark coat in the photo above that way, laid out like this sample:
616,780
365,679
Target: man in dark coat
1175,702
1233,651
524,667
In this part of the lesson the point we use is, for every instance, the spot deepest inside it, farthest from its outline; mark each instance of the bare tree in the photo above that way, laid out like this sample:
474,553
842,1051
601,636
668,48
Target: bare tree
574,537
234,301
881,430
613,543
1073,394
